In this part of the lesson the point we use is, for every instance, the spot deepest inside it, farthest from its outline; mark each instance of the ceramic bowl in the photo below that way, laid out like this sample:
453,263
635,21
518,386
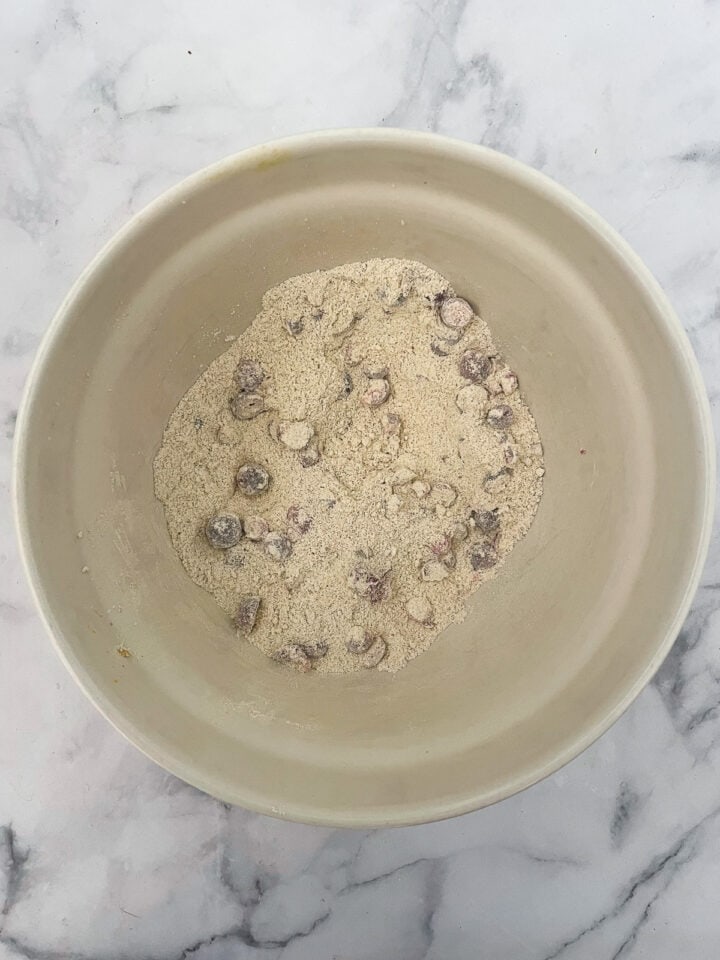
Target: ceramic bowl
551,652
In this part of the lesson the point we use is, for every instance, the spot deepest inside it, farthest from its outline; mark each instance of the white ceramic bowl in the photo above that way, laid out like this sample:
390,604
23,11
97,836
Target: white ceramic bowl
552,651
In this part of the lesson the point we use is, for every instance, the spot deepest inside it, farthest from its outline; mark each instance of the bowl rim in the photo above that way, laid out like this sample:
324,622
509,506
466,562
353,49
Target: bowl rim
289,147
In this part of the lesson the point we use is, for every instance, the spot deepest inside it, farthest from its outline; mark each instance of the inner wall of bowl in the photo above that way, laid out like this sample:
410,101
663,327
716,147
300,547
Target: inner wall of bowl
547,648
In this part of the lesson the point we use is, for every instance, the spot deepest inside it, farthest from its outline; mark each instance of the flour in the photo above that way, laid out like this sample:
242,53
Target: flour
403,465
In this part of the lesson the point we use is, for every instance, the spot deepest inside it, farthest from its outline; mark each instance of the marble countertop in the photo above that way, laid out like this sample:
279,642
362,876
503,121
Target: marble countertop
103,105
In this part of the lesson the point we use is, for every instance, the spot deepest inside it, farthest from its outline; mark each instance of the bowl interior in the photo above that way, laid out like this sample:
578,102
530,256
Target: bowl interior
551,651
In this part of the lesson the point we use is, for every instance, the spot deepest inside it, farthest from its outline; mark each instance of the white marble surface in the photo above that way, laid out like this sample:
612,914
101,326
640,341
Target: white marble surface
102,855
